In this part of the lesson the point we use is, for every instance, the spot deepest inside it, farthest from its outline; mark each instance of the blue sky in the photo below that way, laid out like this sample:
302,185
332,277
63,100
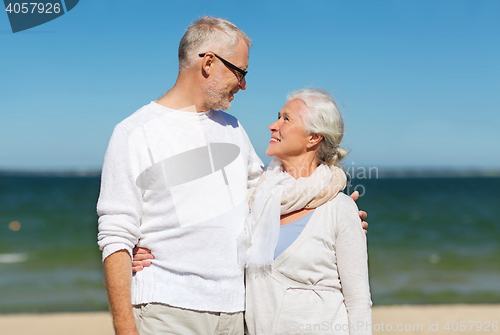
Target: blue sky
416,80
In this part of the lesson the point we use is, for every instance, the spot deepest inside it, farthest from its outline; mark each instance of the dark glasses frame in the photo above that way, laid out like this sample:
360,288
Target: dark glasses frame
242,73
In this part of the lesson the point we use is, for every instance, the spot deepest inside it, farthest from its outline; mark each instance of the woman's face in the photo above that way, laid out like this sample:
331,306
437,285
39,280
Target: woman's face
288,135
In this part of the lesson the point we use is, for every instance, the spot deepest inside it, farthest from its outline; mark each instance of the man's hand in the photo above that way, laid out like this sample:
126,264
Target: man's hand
142,258
118,280
362,214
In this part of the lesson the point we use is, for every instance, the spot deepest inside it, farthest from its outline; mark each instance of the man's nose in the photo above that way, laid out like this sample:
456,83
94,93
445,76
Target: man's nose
243,84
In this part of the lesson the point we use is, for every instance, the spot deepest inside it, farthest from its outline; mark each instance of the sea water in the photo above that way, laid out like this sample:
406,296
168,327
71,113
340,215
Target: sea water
434,240
430,240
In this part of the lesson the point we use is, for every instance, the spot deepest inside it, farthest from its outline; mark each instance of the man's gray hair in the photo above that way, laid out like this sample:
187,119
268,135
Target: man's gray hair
323,117
209,34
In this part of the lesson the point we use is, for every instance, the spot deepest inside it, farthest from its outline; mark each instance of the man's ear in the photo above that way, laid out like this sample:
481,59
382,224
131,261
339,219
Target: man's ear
206,65
314,140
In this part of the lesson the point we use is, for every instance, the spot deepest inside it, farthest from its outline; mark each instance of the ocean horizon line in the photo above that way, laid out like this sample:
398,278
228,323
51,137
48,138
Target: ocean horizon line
356,172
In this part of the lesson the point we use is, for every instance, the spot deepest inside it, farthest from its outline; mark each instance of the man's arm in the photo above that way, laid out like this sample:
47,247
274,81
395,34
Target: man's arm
120,210
118,280
362,214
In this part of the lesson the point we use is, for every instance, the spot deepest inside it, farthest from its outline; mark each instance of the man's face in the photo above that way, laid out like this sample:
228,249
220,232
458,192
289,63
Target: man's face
224,83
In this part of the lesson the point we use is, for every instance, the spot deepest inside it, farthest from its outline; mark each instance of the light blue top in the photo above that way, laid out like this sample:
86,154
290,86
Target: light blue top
289,233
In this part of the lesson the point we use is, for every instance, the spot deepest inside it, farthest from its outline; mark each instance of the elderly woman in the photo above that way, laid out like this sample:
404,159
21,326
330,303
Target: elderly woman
309,273
303,244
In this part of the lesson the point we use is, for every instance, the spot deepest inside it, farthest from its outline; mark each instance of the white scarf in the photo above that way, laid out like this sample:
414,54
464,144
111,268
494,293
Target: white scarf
279,193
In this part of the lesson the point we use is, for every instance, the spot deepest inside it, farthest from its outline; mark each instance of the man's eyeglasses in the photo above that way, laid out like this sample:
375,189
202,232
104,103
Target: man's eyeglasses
240,74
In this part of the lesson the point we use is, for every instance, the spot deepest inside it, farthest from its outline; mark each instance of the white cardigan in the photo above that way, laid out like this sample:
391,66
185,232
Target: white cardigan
319,285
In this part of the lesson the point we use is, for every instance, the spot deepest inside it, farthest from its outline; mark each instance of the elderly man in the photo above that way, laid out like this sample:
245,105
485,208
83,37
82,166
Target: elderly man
175,181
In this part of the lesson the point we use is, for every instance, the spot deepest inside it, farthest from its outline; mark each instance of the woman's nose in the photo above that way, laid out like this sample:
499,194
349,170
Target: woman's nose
273,126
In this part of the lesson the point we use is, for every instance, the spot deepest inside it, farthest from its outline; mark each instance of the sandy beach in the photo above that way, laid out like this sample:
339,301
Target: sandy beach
406,319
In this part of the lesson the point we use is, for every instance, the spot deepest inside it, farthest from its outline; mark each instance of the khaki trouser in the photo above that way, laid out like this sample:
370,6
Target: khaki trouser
159,319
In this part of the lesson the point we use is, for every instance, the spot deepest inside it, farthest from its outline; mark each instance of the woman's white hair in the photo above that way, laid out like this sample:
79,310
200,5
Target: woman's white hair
323,118
209,34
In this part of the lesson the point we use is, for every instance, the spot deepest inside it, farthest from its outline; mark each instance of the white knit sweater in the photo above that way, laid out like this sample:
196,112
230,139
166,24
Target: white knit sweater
176,182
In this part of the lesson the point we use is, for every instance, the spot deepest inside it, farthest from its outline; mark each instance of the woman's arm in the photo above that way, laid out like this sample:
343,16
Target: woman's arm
352,263
142,258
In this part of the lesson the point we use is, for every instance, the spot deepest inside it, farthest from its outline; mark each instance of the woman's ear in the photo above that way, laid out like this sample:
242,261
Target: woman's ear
314,140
